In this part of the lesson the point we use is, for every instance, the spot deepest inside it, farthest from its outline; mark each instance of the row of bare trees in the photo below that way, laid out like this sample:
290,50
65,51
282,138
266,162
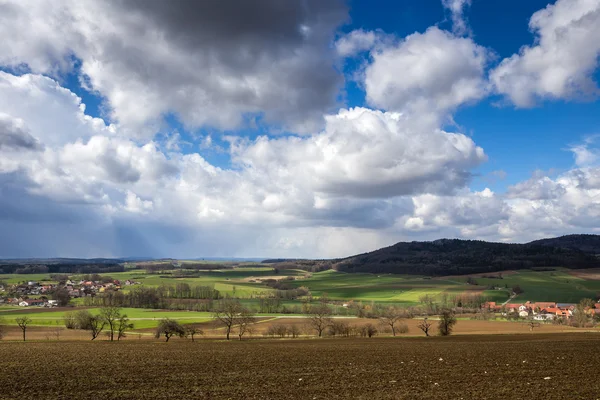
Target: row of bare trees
109,319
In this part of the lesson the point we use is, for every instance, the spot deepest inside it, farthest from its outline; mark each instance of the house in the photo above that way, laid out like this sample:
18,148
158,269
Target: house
512,307
544,317
52,303
31,302
523,313
74,293
566,306
558,312
541,305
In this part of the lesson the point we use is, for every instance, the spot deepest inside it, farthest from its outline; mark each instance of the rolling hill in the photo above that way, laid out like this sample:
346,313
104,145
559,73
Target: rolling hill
458,257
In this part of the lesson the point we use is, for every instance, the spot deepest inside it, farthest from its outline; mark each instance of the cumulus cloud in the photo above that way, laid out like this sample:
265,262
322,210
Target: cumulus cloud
561,63
14,135
456,8
367,153
358,41
439,73
210,63
52,114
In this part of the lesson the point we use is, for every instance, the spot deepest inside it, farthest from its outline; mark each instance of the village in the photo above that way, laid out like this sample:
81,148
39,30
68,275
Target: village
541,311
36,294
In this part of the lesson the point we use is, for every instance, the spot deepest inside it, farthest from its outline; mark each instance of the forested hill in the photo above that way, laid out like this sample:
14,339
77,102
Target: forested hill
586,243
457,257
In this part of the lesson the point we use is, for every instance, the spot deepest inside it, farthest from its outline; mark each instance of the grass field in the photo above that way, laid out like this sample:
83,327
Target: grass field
558,285
468,367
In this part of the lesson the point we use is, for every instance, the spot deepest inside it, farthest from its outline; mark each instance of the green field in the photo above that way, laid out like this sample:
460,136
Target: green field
244,283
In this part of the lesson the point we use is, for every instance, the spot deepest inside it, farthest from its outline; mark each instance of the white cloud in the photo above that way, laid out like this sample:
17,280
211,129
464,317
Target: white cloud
358,41
439,72
210,63
561,63
366,154
36,100
456,8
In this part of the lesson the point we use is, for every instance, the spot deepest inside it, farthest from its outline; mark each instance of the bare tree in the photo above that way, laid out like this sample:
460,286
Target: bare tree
57,330
580,314
111,315
339,327
23,322
191,331
391,316
244,321
294,330
425,326
319,317
447,322
226,312
123,325
70,320
169,328
93,323
370,330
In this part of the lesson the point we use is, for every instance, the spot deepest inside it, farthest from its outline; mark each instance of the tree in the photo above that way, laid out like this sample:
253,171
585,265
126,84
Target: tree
169,328
111,315
244,321
580,313
62,296
70,320
227,312
319,317
339,327
123,325
191,331
391,316
93,323
517,289
425,326
370,330
447,322
294,330
23,322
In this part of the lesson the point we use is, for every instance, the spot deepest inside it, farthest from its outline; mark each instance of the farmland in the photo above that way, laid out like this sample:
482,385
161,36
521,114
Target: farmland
556,284
492,367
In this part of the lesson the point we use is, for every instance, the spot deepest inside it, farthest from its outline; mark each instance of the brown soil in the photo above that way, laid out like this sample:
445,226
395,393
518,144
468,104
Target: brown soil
587,274
468,367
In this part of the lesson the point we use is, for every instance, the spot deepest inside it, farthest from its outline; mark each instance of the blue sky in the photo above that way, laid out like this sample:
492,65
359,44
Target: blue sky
295,129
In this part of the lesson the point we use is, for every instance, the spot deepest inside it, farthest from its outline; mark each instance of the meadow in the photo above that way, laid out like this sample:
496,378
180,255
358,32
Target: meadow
469,367
246,283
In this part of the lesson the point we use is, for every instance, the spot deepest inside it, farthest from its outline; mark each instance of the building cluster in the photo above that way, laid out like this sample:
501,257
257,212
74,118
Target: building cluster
540,311
21,294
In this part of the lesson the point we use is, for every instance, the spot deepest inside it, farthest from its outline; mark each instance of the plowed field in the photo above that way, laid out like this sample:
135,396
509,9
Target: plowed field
550,366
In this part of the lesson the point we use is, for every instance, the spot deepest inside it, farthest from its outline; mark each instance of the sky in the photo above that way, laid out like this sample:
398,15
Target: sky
299,128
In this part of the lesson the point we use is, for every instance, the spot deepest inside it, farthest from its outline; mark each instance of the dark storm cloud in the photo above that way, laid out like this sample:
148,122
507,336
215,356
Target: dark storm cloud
264,24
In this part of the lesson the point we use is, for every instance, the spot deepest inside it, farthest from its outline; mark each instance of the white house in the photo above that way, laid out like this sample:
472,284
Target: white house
523,314
31,302
544,317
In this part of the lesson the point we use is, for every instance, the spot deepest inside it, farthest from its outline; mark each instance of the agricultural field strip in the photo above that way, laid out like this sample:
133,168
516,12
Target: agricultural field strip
491,367
558,285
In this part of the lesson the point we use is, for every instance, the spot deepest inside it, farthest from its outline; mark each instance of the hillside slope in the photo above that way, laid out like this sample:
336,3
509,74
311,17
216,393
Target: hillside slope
457,257
587,243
